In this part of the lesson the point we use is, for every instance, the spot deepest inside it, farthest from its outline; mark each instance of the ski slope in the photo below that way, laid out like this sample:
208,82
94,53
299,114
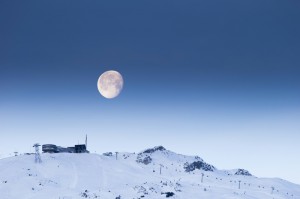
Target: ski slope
154,173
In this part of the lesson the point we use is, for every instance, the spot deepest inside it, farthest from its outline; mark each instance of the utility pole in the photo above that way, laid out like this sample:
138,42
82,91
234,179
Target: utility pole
117,155
239,184
202,174
160,168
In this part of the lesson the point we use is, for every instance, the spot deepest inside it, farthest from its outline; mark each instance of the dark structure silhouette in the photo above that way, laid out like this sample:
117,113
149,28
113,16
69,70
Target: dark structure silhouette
52,148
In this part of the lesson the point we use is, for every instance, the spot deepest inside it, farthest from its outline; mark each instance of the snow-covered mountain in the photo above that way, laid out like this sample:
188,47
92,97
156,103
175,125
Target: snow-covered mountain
154,173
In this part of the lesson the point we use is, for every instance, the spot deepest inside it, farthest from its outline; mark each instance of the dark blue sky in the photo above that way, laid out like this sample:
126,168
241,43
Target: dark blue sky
219,67
176,49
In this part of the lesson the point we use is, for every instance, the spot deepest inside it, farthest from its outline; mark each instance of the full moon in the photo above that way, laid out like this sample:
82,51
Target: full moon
110,84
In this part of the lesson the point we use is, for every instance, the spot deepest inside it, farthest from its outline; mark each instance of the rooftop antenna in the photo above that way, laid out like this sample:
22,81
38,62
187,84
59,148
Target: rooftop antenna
37,153
86,141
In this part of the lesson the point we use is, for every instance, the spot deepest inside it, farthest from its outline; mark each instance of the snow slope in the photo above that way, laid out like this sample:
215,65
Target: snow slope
66,176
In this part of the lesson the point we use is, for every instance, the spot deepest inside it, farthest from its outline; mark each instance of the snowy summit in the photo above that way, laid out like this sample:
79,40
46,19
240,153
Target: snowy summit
154,173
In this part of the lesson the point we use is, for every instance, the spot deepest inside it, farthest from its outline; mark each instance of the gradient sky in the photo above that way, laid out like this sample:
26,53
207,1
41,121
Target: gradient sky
218,79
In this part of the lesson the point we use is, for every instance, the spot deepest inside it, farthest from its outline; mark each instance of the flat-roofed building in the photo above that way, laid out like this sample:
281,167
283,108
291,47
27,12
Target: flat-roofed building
80,148
50,148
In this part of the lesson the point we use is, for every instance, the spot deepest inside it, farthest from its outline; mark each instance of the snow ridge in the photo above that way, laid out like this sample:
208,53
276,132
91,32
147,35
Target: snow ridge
153,173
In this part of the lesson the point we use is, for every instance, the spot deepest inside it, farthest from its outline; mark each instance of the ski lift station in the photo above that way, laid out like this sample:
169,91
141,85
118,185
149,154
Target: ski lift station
52,148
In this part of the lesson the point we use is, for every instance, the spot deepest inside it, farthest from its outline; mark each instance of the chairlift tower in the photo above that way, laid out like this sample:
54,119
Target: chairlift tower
160,168
37,153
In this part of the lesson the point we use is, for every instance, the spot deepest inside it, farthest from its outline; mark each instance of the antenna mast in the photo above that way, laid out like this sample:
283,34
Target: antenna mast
86,141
